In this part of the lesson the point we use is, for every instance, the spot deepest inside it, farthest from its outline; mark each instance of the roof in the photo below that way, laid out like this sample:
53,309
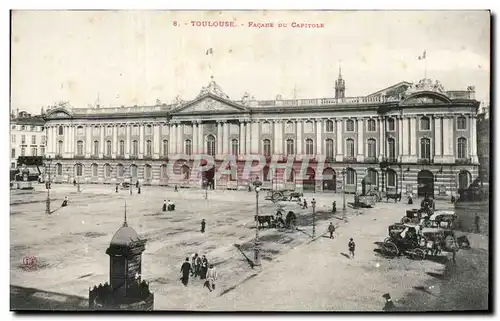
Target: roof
125,236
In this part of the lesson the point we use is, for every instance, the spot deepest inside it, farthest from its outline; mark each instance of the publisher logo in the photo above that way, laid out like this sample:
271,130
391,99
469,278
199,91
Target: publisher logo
29,263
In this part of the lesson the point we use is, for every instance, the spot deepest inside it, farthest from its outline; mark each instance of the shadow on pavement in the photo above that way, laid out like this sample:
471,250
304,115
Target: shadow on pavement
26,299
346,255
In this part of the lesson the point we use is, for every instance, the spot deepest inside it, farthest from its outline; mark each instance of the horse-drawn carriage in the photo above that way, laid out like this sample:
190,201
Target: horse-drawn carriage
125,185
413,216
441,219
277,221
285,195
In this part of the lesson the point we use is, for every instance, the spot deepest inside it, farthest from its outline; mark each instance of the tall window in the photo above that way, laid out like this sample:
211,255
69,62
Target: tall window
211,145
391,148
94,170
96,148
425,123
309,147
59,168
135,130
79,148
349,144
147,172
372,147
289,127
13,138
149,130
391,178
13,154
148,148
109,131
121,148
461,123
60,147
23,151
33,139
120,171
372,125
391,124
61,130
350,177
79,131
43,140
290,147
163,172
308,127
266,127
188,147
33,151
135,148
425,148
266,147
234,147
79,170
349,125
107,171
165,148
121,130
42,150
373,175
462,148
23,139
329,126
329,148
108,148
95,131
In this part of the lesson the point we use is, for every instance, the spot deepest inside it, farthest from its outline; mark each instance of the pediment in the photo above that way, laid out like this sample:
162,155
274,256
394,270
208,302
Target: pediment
58,113
208,104
426,98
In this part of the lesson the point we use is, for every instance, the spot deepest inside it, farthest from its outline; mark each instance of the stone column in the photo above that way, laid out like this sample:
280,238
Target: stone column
102,143
248,138
141,140
339,137
128,141
201,139
281,143
242,138
413,139
361,141
380,151
157,141
437,139
276,140
447,139
171,138
255,139
220,138
114,142
225,139
88,140
406,142
319,141
298,130
194,148
400,137
473,142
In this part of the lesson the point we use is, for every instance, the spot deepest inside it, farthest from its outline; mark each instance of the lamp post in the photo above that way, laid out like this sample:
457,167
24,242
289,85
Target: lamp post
343,188
257,184
47,185
313,204
205,183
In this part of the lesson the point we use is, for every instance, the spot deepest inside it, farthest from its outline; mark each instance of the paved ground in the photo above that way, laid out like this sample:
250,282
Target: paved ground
296,274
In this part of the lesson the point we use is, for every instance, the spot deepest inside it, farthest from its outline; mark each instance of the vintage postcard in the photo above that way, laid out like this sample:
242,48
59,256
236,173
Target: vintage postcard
250,160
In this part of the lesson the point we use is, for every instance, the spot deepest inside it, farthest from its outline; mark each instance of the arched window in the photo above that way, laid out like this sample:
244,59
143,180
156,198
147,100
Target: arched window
120,171
425,148
350,176
149,152
290,147
79,148
234,147
329,126
425,123
463,180
79,131
60,147
107,171
289,127
95,169
372,177
147,172
121,130
59,169
211,145
349,147
163,172
135,148
135,130
96,148
349,125
265,173
371,125
133,171
462,148
266,127
391,148
109,130
308,127
165,148
329,148
461,123
188,147
121,148
61,130
79,170
108,148
266,147
95,130
391,178
391,124
149,130
372,147
309,147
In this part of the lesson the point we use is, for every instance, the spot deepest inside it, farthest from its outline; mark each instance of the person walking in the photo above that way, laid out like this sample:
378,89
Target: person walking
197,266
304,205
476,223
334,207
116,188
204,268
211,278
164,208
352,247
185,269
175,188
193,264
331,229
203,223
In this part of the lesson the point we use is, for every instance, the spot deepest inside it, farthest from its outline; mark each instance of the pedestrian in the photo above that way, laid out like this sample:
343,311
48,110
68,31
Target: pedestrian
193,264
389,305
352,247
334,207
304,205
139,190
185,269
74,182
203,223
130,189
410,200
175,188
65,202
331,229
211,278
137,184
116,188
164,206
197,267
204,268
476,222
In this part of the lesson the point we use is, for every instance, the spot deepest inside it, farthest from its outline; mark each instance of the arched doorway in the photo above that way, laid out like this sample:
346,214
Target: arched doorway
208,175
370,181
425,182
185,173
329,180
463,180
309,182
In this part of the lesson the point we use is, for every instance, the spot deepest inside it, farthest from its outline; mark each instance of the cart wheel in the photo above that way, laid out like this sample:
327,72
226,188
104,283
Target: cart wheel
390,249
405,220
387,239
419,254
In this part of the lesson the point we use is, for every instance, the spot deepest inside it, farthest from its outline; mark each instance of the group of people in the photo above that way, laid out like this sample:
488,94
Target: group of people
199,267
168,205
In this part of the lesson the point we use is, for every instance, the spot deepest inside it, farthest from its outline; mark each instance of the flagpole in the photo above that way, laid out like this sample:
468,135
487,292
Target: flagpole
425,68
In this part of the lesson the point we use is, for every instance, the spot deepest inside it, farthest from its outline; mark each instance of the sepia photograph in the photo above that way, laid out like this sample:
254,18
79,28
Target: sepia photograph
250,161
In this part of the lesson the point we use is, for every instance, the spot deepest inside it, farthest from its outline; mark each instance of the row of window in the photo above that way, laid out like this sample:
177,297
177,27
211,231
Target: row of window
31,128
23,139
34,151
371,126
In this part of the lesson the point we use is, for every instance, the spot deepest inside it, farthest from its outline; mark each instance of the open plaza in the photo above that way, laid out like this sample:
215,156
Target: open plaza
298,272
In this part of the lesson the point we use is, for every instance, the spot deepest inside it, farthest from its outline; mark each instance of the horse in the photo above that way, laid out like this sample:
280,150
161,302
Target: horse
290,218
295,196
262,219
396,197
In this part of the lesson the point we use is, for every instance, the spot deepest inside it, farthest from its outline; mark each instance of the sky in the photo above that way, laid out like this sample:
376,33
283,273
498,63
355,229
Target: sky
136,57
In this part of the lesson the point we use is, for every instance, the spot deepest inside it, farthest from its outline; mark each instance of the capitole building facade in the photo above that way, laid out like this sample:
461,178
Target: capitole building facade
409,138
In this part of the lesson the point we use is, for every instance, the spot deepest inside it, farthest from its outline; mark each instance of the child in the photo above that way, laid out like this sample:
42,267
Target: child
352,247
